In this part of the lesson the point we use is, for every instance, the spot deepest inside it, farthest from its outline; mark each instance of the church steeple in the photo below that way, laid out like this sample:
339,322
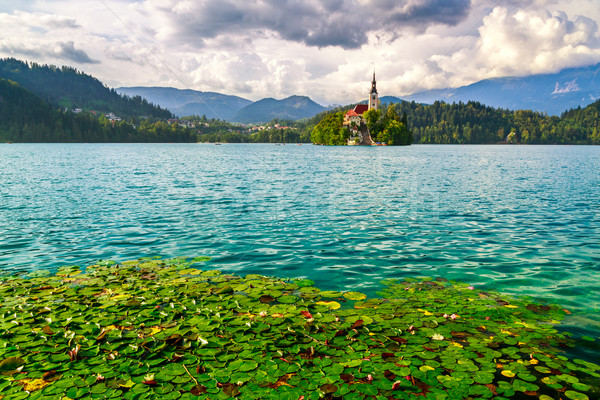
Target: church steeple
373,84
373,97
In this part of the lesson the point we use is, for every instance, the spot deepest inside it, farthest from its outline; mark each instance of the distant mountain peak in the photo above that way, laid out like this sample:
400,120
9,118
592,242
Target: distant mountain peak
291,108
185,102
550,93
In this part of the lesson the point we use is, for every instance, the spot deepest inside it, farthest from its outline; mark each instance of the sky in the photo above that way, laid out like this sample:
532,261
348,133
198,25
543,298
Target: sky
324,49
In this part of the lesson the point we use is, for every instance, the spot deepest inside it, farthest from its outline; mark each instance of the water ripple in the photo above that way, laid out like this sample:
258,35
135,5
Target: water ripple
521,219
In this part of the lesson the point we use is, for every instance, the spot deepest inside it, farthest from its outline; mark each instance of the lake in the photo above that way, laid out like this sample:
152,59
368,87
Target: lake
520,219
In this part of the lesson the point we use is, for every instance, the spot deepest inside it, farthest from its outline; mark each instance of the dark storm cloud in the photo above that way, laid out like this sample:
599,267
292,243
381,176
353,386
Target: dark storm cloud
343,23
430,12
67,51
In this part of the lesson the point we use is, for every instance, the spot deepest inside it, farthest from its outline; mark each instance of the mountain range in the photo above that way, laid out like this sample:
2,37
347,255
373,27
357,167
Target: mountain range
66,87
292,108
225,107
44,103
548,93
190,102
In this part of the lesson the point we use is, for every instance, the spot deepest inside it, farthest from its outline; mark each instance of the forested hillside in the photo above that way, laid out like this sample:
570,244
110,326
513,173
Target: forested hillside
69,88
26,118
475,123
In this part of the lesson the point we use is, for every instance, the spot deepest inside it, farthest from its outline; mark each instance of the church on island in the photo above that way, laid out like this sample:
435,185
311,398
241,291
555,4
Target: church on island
355,122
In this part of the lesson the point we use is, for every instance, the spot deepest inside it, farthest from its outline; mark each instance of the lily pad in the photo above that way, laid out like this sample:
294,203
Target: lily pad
576,395
355,296
330,293
11,365
159,328
333,305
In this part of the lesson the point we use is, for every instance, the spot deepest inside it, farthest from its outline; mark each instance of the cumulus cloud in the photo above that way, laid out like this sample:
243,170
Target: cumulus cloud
531,41
522,42
505,41
34,35
64,51
320,23
326,49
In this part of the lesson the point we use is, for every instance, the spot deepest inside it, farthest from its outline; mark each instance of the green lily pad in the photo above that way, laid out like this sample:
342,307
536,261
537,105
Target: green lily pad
355,296
154,327
11,365
248,365
582,387
330,293
571,394
39,273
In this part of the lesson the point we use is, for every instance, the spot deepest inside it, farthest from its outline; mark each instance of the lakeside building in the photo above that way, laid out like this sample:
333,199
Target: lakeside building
354,119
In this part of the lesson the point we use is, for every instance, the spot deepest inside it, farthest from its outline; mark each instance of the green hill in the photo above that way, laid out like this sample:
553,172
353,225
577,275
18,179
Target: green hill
25,118
67,87
21,110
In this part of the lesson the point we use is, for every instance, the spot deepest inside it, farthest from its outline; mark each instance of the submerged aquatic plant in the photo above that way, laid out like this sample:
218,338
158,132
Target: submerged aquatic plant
163,329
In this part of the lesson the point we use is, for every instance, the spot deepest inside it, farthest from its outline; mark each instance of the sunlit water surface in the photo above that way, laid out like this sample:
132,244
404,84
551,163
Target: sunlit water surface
520,219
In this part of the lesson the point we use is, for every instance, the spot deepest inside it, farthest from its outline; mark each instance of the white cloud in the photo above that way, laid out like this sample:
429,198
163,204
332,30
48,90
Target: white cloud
536,41
37,20
523,42
325,49
40,35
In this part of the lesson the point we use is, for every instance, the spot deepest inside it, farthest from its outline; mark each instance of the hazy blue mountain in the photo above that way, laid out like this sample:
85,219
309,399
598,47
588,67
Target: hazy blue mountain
292,108
190,102
390,99
551,93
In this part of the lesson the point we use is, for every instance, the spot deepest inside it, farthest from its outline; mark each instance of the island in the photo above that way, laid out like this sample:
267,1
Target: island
366,125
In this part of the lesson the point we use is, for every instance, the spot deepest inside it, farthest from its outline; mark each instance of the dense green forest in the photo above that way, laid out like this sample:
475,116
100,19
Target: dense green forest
24,117
473,123
69,88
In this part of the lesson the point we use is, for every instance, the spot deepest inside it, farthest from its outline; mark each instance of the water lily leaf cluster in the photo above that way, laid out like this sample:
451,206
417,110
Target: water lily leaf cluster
172,329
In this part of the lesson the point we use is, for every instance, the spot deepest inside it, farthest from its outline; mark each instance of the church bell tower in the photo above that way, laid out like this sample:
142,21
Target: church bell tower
373,97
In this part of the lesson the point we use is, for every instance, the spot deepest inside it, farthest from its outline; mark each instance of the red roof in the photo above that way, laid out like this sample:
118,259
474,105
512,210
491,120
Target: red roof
360,109
351,113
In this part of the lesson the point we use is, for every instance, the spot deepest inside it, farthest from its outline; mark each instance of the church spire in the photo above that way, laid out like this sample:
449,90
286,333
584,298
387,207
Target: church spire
373,84
373,96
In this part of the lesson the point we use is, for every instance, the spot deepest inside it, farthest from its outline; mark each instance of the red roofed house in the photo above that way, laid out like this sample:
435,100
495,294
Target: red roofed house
354,120
356,114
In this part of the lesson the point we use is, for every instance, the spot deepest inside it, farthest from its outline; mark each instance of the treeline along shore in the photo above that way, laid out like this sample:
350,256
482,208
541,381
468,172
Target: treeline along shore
48,104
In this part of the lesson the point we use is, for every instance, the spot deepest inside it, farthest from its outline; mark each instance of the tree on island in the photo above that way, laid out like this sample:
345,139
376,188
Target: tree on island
384,126
330,130
396,132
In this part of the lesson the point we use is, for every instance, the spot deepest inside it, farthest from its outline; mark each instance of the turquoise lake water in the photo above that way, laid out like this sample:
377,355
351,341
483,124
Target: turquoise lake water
520,219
